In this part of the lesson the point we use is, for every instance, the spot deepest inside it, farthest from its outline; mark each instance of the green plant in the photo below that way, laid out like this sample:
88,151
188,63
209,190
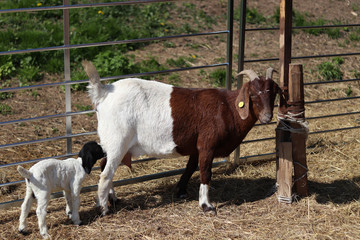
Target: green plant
218,77
84,108
5,109
5,95
349,91
174,79
6,69
331,70
252,15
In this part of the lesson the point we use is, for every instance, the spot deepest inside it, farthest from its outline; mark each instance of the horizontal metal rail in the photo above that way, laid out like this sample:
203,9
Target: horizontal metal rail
331,100
46,117
303,27
63,7
46,139
332,81
112,77
109,43
303,57
122,182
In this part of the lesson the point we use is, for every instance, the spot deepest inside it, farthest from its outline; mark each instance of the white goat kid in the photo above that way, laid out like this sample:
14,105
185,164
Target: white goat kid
53,175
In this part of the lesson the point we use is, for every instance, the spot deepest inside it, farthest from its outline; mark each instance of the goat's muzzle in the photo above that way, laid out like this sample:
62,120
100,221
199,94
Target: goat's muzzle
265,118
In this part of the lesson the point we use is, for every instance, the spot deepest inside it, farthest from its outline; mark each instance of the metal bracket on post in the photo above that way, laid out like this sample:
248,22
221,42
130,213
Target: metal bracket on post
67,77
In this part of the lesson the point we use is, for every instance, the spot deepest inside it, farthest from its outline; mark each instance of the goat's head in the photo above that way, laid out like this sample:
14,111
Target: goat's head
89,154
259,94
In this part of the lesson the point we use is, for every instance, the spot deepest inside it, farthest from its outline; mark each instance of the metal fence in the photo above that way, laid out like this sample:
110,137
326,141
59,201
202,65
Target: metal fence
228,32
228,65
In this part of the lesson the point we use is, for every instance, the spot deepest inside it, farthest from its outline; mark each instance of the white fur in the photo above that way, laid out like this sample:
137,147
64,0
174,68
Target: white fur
204,196
134,116
49,176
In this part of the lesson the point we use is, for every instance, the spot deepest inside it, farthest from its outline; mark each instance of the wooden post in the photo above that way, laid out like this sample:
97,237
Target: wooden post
298,138
283,137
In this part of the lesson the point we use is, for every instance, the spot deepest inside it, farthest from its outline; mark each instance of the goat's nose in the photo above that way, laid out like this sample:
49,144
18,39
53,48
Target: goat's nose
266,118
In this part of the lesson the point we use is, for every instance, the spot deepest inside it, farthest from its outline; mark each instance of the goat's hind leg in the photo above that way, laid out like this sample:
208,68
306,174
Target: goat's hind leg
42,204
25,209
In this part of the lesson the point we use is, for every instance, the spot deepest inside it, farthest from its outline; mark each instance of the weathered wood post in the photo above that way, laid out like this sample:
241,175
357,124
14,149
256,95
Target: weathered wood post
299,129
284,163
291,132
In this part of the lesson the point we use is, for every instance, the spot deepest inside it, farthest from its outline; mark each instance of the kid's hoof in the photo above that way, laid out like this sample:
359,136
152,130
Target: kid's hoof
23,232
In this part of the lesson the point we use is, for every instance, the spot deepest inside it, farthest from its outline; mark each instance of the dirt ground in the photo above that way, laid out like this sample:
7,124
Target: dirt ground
246,207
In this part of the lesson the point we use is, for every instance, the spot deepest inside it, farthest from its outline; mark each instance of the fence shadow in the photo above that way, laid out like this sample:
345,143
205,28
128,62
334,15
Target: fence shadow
228,191
338,191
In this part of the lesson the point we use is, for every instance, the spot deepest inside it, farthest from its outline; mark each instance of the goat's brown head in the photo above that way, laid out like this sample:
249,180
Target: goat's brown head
257,95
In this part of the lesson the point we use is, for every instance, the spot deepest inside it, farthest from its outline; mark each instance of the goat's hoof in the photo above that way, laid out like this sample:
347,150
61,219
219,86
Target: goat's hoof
182,194
69,214
23,232
78,223
209,209
104,211
45,236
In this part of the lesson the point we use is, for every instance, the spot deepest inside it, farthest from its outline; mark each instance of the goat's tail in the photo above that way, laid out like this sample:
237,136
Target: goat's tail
24,173
96,88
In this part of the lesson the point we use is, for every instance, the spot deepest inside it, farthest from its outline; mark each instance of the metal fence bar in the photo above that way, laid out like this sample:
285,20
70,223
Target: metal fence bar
332,81
122,182
331,100
68,124
101,44
112,77
46,117
229,44
304,57
303,27
46,139
67,7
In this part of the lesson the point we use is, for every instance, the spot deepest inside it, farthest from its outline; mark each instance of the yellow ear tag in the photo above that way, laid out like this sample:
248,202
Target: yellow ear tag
241,104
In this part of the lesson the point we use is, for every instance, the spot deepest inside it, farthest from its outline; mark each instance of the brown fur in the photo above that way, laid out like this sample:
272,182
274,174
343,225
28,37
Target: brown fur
209,123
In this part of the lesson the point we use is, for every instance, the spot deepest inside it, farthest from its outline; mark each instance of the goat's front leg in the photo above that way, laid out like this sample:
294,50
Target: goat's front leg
205,163
68,199
75,199
190,169
105,182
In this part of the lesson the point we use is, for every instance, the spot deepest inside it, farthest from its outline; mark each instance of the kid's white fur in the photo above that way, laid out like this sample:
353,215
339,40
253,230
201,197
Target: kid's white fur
53,175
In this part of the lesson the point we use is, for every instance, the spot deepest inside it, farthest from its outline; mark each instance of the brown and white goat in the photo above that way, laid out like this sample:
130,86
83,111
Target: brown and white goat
146,117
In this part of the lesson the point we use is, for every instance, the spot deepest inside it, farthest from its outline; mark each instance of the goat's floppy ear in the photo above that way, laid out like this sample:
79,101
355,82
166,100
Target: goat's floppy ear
242,101
87,162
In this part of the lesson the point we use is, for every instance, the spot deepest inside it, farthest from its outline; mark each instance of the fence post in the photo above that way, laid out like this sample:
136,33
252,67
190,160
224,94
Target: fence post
229,47
283,142
296,109
67,77
241,61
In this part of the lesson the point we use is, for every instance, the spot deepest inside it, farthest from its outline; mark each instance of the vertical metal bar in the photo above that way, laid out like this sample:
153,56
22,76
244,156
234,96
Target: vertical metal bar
229,47
67,77
241,60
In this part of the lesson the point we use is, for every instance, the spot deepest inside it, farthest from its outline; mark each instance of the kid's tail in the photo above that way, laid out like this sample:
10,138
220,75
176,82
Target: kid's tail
24,173
96,88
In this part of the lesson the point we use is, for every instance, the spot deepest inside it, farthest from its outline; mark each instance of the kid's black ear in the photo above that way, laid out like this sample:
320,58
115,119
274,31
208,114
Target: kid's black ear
87,162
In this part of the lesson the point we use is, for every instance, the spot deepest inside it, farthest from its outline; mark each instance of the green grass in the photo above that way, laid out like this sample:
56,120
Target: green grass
5,109
89,25
218,77
331,70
